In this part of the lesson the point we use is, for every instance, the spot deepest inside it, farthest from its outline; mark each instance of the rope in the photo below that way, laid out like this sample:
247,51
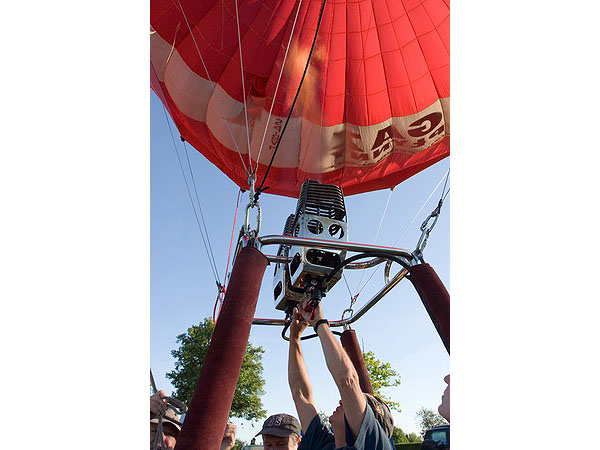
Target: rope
277,86
260,188
410,223
224,285
362,274
347,285
199,206
158,437
176,405
237,19
422,207
211,262
214,87
153,383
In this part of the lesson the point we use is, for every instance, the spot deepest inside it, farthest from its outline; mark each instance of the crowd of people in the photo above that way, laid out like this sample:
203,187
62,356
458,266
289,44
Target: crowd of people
361,421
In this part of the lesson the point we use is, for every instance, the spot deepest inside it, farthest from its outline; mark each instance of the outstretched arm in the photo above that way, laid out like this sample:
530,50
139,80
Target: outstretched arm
228,441
298,375
158,404
342,370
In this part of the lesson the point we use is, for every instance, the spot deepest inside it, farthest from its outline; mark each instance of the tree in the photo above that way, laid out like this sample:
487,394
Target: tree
382,376
429,419
400,437
324,418
189,358
239,445
412,437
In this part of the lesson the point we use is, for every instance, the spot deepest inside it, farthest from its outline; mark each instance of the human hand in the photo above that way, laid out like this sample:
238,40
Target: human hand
158,404
310,314
298,324
228,441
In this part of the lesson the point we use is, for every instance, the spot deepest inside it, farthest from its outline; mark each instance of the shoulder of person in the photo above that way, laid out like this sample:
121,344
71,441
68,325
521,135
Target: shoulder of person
371,435
317,436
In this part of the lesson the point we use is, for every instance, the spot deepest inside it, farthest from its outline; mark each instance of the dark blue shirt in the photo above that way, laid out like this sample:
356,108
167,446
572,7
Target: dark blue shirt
371,436
317,436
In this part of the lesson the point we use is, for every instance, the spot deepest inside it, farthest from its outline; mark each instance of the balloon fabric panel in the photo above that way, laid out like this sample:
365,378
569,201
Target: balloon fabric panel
373,109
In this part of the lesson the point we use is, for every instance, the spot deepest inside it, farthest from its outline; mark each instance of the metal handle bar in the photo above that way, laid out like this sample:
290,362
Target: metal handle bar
358,265
341,323
333,245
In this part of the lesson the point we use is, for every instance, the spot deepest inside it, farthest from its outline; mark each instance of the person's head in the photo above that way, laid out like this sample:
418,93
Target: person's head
171,428
444,408
382,414
281,432
336,419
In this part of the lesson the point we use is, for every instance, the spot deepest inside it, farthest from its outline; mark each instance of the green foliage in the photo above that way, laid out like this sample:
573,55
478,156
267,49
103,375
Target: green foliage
400,437
189,358
382,376
429,419
238,445
412,437
324,419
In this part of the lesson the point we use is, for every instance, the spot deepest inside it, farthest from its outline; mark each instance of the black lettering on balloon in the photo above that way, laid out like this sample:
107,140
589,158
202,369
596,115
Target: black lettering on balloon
440,130
419,143
383,135
357,153
425,124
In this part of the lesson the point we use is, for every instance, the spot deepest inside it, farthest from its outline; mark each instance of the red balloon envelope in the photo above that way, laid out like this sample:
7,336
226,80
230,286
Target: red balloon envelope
373,108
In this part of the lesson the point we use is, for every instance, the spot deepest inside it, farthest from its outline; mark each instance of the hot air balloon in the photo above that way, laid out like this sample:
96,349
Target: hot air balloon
313,100
371,110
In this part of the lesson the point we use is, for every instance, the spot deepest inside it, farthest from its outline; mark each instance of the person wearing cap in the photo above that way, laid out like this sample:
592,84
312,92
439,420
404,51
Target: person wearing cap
361,421
170,430
171,426
280,432
444,408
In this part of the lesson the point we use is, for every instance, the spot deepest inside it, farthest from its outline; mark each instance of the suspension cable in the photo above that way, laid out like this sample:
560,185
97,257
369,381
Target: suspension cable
277,86
211,261
199,205
362,274
222,290
423,206
237,19
214,87
347,285
410,223
261,187
426,228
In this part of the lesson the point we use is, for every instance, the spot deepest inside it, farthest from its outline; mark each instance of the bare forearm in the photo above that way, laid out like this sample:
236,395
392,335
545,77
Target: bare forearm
337,360
345,378
298,378
300,384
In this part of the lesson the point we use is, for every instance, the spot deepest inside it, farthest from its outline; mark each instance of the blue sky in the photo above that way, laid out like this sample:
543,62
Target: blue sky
397,329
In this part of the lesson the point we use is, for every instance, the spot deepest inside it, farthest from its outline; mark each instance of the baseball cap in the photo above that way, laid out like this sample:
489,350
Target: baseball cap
169,417
280,425
382,413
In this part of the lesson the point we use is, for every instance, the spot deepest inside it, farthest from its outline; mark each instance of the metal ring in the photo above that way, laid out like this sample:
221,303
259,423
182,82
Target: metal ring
258,217
386,272
350,310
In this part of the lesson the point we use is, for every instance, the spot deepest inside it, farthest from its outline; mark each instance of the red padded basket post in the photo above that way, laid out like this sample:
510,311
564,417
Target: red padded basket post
208,411
350,344
435,298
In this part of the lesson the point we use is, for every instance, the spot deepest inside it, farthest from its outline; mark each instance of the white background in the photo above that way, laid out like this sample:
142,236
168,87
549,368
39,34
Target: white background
74,236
